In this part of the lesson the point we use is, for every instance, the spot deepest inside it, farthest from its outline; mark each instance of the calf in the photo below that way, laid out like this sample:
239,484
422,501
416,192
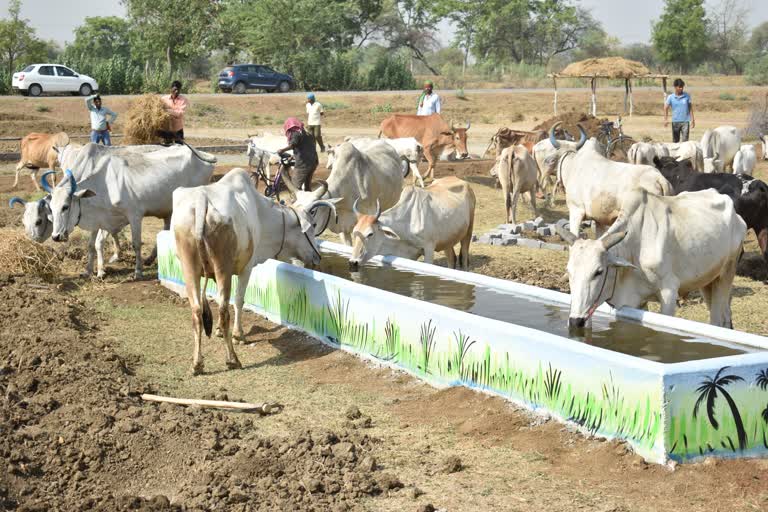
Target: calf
659,248
517,173
745,160
425,220
643,153
225,229
689,150
37,151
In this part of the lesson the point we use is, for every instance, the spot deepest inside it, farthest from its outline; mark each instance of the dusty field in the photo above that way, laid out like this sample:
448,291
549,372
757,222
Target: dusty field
74,434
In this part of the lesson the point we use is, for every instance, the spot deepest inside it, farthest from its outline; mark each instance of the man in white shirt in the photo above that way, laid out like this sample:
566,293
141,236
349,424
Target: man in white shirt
100,124
429,102
314,119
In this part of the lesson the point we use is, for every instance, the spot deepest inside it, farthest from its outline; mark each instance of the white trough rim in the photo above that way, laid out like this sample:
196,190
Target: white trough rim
642,317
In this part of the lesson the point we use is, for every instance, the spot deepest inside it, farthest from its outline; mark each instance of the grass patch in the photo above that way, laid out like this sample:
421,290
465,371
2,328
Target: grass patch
460,94
726,96
43,108
205,109
335,105
386,107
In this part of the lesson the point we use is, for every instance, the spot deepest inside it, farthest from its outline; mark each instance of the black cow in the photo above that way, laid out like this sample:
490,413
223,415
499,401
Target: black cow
749,195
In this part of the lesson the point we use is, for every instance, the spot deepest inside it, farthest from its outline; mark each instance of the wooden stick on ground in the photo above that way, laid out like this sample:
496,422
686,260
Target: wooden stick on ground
264,408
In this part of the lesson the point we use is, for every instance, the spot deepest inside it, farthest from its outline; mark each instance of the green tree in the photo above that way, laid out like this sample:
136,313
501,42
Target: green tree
680,35
171,31
411,24
758,41
464,14
596,43
727,35
17,38
100,38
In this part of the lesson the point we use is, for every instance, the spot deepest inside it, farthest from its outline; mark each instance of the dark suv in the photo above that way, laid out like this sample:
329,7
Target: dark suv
241,77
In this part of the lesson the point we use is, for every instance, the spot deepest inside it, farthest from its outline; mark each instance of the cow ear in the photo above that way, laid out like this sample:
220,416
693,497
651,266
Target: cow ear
446,133
616,261
85,192
389,233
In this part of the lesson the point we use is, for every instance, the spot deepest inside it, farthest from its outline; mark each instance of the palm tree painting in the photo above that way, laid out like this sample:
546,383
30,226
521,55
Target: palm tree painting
762,383
708,390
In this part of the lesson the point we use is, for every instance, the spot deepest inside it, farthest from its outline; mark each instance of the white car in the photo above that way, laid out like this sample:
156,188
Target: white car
36,79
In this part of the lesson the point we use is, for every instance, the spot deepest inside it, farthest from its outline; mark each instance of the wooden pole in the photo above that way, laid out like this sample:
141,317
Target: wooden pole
631,103
216,404
664,87
594,96
626,95
554,81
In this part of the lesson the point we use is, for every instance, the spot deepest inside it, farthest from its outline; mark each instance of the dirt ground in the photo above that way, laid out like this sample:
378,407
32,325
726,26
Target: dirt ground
74,434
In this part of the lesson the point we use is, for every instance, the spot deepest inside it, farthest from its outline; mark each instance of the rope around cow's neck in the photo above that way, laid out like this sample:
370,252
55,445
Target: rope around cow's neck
594,306
282,241
569,152
298,221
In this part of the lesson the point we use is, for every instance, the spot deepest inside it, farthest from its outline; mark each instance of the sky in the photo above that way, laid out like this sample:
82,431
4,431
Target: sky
629,20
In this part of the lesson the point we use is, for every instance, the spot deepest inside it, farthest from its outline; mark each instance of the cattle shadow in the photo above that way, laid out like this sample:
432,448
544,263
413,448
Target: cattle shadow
753,266
291,350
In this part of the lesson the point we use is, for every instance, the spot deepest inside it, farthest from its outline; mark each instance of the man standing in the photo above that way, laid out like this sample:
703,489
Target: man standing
99,125
302,144
682,112
176,105
315,114
429,102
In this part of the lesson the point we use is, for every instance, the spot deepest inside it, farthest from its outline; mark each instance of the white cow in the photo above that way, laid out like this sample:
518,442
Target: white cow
518,174
643,153
595,186
764,141
659,248
225,229
423,221
373,174
407,147
114,190
689,150
37,224
745,160
543,150
719,147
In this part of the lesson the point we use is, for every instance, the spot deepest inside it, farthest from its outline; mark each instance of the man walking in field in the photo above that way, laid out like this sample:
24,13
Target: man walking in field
682,112
315,114
100,126
176,105
429,102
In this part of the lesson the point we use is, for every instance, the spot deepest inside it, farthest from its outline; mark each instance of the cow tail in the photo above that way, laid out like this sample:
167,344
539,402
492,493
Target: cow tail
201,211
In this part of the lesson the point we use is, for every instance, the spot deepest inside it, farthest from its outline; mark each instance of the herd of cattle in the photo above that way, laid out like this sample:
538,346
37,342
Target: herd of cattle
671,220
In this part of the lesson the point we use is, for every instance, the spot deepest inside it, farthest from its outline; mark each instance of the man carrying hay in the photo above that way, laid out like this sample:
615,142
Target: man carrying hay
99,125
176,105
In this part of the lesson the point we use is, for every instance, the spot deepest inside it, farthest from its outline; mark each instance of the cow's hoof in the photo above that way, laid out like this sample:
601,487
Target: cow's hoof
197,369
138,276
234,365
99,276
114,259
238,338
149,261
219,333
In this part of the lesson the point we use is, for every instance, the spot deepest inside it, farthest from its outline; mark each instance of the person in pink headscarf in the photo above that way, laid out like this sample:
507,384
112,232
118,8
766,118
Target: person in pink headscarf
304,152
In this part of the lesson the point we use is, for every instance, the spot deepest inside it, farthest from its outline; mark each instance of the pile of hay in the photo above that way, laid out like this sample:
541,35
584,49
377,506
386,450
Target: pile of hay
21,256
612,67
590,123
146,117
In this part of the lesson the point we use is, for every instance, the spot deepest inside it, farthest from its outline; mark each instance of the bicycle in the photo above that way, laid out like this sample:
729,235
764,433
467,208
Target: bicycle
272,186
616,148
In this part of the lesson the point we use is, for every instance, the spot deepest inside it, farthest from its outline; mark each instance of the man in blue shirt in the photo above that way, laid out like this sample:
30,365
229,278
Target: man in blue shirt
682,112
99,125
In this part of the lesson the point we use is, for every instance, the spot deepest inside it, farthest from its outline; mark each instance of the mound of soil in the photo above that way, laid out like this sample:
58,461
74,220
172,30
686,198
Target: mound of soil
590,123
75,435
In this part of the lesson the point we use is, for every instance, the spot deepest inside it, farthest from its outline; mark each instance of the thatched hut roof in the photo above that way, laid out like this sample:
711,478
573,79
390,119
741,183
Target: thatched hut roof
606,67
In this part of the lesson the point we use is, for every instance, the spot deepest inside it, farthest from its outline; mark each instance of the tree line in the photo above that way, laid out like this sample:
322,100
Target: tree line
377,44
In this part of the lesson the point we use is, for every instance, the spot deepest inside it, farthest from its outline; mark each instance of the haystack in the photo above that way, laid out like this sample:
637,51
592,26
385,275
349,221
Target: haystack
21,256
146,117
608,67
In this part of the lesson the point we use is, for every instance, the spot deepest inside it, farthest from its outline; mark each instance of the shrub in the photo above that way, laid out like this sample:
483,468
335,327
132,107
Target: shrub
726,96
386,107
43,108
460,94
335,105
390,74
757,71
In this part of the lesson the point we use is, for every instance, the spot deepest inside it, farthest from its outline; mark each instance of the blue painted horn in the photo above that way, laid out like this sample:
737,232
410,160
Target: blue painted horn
72,183
44,181
16,200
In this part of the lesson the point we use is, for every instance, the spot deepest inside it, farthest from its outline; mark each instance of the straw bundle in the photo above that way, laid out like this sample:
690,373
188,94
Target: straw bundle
146,117
611,67
20,255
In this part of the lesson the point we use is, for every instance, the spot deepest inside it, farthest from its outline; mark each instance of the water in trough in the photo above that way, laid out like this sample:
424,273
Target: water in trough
607,332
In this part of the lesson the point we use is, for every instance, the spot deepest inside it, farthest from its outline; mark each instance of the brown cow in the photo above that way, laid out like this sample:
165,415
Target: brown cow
507,137
37,150
432,132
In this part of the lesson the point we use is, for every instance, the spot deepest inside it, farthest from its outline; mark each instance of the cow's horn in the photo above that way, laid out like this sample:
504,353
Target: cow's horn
566,235
16,200
354,208
72,182
44,181
322,189
552,138
582,138
378,209
609,240
468,125
329,204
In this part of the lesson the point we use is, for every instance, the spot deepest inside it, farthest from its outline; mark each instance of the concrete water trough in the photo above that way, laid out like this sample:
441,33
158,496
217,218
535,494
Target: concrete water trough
674,389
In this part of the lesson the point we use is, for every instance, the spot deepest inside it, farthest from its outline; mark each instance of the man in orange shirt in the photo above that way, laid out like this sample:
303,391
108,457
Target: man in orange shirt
176,104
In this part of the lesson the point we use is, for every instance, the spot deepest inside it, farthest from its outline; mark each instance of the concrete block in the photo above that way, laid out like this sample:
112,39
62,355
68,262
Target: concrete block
495,234
516,229
554,247
563,223
484,239
528,226
509,236
538,222
527,242
508,241
544,231
496,241
474,238
506,228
